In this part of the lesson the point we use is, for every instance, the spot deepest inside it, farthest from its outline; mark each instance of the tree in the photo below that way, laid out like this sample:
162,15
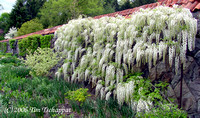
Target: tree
4,22
57,12
1,7
24,10
54,13
91,7
29,27
138,3
110,6
126,4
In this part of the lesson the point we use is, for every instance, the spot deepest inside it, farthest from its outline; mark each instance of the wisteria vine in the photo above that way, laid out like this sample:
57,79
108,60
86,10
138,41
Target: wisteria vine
102,51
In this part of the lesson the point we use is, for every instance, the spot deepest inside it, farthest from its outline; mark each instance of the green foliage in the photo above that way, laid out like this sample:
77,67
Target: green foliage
102,109
147,91
8,59
28,44
1,37
50,11
18,91
11,43
110,6
3,47
4,21
164,111
41,61
126,4
29,27
12,71
45,41
79,95
23,11
22,47
64,10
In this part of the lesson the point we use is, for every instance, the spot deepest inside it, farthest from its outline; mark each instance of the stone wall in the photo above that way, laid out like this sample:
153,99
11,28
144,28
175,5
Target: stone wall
190,83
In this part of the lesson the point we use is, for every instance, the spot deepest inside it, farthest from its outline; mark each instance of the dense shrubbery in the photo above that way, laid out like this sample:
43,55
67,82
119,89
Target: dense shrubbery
11,43
29,27
31,43
45,41
3,47
79,95
41,61
9,60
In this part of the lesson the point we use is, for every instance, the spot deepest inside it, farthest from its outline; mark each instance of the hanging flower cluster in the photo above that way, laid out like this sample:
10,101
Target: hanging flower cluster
12,33
101,51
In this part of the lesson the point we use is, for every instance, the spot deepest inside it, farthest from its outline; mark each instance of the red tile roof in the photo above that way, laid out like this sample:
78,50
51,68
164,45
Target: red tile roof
190,4
42,32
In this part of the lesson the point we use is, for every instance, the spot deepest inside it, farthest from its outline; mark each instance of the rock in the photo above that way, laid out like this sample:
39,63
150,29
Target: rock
171,93
196,49
198,104
197,57
191,71
188,100
161,71
198,26
194,88
152,74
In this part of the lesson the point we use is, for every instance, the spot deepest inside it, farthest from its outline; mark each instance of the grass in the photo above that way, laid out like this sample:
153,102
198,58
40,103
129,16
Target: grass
25,96
20,91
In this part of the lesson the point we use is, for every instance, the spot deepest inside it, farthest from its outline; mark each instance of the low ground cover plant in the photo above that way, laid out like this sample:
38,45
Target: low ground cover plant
19,90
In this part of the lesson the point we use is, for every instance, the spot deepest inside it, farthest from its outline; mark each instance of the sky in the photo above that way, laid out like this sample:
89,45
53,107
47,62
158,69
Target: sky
7,5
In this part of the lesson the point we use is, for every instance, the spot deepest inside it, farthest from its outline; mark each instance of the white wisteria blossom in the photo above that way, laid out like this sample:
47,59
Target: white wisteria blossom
11,33
103,51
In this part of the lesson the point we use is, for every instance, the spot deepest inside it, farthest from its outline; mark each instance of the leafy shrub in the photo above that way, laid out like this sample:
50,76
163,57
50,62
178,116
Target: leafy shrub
3,47
42,61
10,60
11,43
30,43
164,111
22,47
21,71
1,37
3,55
45,41
29,27
79,95
9,71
